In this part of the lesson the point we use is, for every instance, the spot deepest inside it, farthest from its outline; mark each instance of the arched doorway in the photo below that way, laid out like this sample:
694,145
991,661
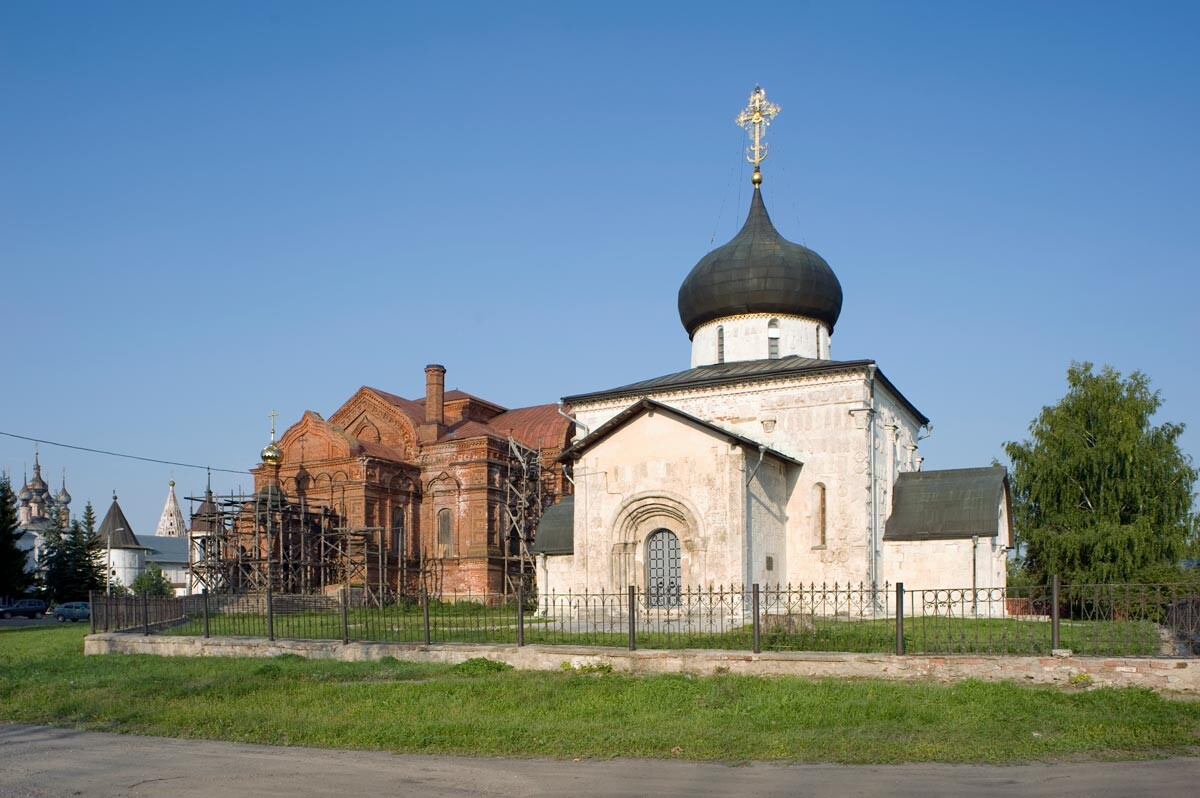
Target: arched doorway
663,569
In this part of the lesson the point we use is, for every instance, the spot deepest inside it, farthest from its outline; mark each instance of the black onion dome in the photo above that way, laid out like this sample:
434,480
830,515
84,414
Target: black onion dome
760,271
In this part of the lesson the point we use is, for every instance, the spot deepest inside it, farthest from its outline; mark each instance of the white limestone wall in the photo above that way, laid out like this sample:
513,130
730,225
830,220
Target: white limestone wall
656,472
768,491
830,424
746,338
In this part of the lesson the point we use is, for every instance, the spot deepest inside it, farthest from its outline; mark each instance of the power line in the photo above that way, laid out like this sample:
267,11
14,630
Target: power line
126,456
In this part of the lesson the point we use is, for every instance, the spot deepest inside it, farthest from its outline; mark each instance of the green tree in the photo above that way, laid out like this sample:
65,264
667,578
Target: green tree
1100,493
14,574
72,563
152,582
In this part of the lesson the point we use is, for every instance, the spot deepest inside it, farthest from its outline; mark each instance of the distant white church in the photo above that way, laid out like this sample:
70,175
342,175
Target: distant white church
767,461
124,555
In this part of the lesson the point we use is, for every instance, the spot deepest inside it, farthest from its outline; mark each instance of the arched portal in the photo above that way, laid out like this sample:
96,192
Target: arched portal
664,574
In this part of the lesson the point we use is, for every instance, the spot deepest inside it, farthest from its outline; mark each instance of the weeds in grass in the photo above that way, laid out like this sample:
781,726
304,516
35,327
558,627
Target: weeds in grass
481,666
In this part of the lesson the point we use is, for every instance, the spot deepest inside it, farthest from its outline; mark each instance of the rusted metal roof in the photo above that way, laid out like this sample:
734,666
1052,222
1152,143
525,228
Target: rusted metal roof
538,427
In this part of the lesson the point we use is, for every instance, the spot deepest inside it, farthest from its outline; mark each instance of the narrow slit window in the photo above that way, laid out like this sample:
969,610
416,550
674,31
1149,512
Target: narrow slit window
819,515
720,344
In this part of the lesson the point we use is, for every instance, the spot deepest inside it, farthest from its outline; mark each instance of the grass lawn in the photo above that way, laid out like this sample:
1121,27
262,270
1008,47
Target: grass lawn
396,706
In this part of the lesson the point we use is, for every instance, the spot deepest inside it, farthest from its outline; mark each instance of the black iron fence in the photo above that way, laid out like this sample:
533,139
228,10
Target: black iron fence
1105,620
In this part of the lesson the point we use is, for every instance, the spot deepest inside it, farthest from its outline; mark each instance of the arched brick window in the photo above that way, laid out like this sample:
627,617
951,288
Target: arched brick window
445,533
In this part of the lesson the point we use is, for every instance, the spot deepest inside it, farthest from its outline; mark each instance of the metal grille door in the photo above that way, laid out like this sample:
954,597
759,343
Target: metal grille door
663,574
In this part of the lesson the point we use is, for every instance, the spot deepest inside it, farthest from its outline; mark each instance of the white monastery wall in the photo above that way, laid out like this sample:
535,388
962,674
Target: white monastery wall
123,565
747,337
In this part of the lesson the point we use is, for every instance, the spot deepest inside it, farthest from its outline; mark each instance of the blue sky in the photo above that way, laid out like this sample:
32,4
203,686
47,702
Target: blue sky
208,210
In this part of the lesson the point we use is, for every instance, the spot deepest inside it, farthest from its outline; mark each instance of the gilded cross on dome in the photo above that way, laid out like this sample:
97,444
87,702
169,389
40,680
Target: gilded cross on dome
754,119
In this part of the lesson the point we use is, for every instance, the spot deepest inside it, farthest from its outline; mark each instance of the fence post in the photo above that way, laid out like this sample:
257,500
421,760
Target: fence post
425,613
757,622
899,619
91,610
145,615
632,618
520,614
345,615
270,613
1054,612
204,605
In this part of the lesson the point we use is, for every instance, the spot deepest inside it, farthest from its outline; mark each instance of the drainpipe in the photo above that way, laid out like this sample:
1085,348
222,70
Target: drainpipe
974,575
873,562
586,429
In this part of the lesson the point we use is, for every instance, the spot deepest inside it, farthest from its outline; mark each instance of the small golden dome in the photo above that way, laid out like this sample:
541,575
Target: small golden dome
272,454
756,178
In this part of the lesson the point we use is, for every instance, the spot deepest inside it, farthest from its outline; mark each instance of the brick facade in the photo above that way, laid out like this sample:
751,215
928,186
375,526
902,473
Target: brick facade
425,478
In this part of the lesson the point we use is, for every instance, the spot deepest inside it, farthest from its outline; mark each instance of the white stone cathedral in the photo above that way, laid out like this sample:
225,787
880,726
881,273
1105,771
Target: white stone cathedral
768,461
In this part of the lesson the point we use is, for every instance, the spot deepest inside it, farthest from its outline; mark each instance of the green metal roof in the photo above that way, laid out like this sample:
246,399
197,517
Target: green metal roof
556,530
949,504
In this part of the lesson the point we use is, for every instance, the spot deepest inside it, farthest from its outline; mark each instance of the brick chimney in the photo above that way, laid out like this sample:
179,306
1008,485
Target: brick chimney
435,389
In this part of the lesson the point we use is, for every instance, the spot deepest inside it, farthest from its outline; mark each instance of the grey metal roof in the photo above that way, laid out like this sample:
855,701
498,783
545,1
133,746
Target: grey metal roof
759,271
954,503
556,529
742,371
576,450
115,530
163,549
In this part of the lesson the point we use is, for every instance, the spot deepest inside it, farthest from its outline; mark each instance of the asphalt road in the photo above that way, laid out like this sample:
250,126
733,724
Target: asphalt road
38,762
7,623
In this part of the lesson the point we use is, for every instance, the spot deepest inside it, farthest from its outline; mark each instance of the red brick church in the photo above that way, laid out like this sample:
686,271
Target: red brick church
425,478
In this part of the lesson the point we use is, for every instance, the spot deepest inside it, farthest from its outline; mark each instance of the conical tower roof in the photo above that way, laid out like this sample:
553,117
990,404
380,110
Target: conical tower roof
171,523
115,530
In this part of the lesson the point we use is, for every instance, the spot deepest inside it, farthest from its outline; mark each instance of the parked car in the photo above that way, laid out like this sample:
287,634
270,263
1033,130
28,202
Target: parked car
73,611
30,608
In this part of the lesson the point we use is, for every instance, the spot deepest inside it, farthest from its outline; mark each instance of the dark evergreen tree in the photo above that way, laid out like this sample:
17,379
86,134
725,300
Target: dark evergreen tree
72,564
1100,493
15,577
152,582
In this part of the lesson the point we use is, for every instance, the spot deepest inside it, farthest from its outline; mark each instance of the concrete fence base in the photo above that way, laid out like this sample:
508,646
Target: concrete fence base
1181,675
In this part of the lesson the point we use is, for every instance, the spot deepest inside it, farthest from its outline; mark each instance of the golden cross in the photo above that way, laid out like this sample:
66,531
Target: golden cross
754,119
272,415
